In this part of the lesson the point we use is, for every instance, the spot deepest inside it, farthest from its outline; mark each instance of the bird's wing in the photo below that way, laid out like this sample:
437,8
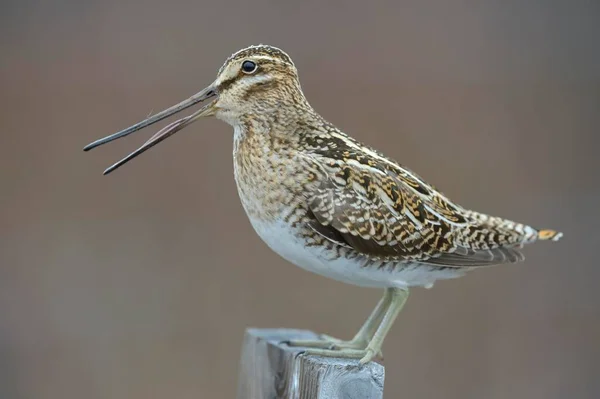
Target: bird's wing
389,213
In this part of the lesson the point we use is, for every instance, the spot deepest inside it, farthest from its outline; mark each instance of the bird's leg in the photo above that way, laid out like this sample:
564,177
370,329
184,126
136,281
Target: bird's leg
361,339
399,297
366,332
366,354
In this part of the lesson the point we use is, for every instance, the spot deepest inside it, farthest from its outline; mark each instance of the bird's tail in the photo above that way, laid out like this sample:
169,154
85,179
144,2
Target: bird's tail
549,235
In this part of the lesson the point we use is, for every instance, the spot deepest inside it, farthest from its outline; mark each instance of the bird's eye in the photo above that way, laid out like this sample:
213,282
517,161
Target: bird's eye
249,67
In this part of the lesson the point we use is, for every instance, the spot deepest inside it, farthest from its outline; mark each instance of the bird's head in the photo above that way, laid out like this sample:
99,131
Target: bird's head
256,81
252,83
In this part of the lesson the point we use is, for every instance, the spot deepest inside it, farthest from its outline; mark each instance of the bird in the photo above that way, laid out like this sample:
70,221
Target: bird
332,205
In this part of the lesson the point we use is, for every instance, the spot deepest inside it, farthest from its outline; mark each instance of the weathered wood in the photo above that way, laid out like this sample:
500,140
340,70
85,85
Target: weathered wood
270,369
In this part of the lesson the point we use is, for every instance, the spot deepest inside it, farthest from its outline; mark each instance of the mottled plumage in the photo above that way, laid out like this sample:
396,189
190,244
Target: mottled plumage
293,165
334,206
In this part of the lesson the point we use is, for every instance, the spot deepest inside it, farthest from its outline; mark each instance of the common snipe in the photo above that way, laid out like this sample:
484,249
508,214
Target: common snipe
333,206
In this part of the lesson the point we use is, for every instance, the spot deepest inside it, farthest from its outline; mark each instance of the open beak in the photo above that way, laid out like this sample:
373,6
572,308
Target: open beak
165,132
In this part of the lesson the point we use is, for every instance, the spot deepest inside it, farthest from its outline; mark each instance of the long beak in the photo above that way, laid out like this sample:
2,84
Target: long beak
165,132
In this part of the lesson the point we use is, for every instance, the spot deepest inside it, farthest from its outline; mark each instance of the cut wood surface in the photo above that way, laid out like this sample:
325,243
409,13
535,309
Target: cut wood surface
271,369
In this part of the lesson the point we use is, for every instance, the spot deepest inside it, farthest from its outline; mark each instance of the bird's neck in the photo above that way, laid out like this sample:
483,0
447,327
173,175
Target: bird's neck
267,161
283,123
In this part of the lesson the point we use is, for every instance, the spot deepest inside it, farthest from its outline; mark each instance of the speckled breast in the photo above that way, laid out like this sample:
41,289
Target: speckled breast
271,181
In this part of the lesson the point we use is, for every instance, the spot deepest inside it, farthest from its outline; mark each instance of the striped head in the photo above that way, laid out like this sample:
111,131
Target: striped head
256,81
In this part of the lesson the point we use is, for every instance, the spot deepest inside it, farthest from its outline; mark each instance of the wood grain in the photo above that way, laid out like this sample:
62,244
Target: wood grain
270,369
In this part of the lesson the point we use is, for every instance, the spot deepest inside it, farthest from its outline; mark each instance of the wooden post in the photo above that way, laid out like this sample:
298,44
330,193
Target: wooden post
270,369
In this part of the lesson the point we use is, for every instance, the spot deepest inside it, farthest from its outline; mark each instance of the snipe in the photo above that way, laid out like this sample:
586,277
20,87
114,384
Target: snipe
332,205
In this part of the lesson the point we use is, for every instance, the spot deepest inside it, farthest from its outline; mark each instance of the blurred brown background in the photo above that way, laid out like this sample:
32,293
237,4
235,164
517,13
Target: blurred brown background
140,284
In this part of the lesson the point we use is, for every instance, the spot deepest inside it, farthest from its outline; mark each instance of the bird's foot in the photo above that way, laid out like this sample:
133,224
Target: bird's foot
365,355
328,342
358,347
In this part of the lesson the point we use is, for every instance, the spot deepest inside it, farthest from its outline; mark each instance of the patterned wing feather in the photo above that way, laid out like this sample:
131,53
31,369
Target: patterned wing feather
394,216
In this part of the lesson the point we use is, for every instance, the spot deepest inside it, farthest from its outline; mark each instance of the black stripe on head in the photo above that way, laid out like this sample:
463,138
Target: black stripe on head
259,87
226,84
263,66
261,49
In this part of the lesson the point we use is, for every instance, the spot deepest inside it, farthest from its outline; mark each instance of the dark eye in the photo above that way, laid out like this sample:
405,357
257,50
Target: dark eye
249,67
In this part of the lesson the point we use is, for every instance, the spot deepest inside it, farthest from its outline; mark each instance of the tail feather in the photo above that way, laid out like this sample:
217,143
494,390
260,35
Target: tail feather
549,235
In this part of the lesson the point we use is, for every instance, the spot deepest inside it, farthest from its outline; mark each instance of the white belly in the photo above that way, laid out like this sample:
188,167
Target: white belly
282,240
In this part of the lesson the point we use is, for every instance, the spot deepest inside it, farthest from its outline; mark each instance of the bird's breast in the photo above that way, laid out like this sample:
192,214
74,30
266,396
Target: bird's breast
271,182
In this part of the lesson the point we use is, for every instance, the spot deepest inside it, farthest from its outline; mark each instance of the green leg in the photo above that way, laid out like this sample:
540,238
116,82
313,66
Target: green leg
361,339
399,298
366,332
366,354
